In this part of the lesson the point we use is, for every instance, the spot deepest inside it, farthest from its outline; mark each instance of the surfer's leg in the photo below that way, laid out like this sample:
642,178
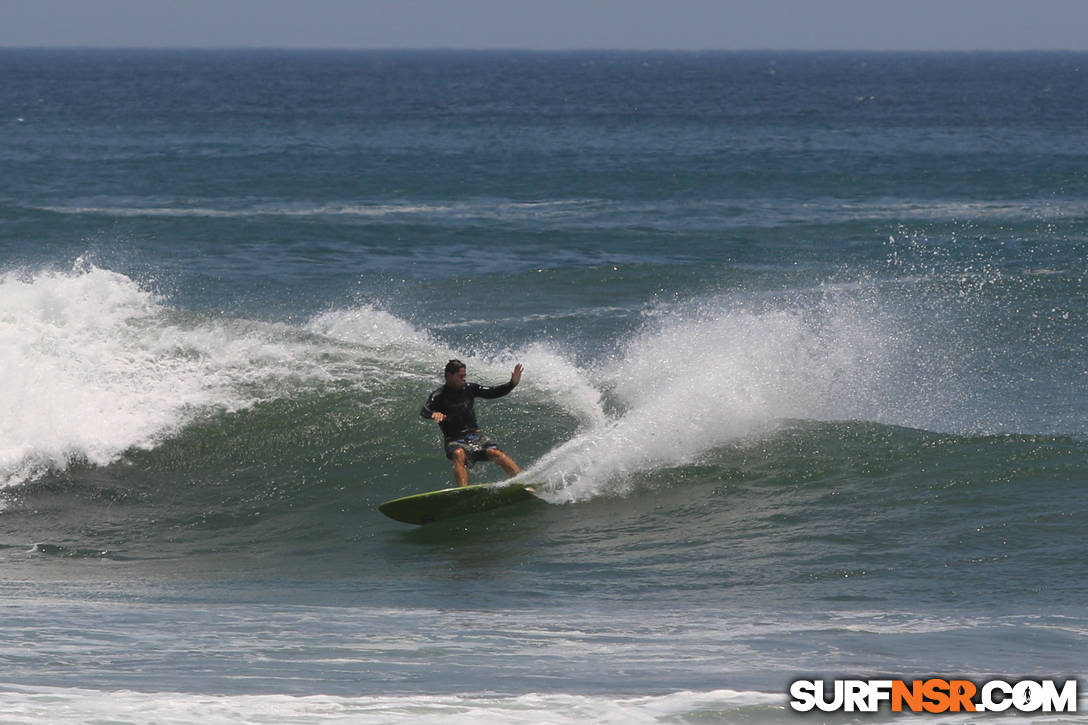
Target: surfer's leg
460,472
505,462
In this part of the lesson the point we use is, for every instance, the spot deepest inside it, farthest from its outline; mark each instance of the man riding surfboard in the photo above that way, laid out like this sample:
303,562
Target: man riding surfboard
452,407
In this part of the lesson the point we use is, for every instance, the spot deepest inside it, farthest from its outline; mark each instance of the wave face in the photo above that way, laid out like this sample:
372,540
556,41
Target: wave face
207,433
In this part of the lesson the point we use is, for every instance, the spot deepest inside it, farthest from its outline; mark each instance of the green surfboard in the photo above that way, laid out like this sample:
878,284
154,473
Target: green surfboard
424,508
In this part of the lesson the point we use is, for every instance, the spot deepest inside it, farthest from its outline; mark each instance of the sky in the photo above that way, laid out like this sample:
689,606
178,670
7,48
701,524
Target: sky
551,24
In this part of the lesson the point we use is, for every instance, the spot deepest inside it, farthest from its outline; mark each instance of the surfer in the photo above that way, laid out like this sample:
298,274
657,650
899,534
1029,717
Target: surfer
451,406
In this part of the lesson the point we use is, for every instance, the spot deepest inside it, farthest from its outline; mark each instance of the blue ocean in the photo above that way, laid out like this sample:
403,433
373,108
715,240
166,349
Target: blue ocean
805,339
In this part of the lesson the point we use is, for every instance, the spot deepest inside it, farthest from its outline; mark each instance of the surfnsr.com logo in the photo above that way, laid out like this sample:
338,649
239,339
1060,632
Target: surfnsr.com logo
934,695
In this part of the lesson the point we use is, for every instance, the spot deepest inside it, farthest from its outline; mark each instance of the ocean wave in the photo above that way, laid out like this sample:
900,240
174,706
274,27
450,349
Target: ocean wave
483,208
96,364
697,214
71,705
57,706
720,370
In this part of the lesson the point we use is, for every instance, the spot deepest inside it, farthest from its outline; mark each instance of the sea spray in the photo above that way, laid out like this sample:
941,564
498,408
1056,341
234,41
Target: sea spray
79,379
718,370
96,364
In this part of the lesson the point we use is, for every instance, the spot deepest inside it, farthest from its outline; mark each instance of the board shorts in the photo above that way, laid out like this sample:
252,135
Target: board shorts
475,445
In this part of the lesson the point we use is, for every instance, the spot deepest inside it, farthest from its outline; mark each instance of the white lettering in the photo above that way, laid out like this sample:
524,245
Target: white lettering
1064,701
854,695
879,691
934,695
1027,696
804,695
989,703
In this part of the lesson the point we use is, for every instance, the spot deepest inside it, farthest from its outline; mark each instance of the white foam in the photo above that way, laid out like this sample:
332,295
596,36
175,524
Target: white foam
73,706
556,377
75,378
59,706
372,327
92,364
714,373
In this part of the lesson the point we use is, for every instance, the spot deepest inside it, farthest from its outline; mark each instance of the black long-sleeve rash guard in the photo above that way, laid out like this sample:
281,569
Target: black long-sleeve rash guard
457,405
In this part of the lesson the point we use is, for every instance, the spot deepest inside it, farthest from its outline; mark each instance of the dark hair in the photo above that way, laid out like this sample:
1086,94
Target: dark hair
453,366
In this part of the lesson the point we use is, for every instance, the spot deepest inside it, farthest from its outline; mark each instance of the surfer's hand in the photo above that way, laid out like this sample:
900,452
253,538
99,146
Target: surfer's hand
515,378
438,417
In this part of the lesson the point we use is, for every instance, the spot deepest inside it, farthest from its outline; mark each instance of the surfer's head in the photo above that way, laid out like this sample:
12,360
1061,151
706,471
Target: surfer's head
456,374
